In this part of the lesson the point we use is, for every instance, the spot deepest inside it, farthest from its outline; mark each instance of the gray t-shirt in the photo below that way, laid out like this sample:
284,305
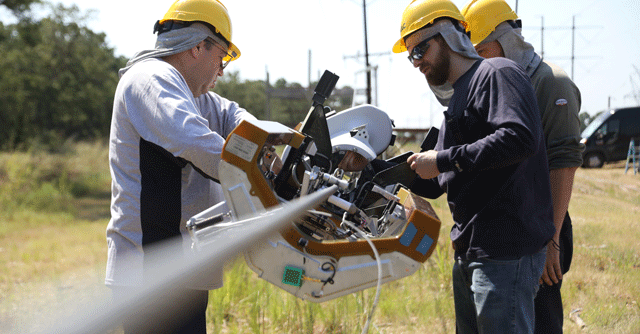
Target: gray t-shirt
158,125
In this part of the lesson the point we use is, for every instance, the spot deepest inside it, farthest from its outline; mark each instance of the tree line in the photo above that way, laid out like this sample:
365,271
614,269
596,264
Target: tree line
59,79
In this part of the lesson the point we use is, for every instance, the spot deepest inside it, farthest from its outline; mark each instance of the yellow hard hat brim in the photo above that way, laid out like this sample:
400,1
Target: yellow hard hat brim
399,46
234,53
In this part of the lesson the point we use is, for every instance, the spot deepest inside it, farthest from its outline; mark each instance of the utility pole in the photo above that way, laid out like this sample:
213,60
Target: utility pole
267,88
368,71
366,51
367,67
635,91
573,44
309,71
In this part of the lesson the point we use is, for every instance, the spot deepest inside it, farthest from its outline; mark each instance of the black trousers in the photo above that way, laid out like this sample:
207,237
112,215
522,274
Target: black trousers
180,311
548,301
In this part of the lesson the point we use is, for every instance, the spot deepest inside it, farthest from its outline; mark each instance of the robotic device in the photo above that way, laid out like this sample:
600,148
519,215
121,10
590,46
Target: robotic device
372,230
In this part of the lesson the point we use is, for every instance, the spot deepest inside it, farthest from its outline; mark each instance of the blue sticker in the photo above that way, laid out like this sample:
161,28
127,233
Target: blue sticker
409,234
425,244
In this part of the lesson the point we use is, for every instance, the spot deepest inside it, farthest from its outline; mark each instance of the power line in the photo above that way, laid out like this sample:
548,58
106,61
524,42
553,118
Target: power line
573,29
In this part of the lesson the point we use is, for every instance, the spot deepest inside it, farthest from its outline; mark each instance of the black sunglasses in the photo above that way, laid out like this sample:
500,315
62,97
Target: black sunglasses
224,63
419,50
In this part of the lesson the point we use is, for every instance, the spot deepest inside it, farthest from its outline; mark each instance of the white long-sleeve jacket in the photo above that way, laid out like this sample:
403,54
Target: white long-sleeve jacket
164,150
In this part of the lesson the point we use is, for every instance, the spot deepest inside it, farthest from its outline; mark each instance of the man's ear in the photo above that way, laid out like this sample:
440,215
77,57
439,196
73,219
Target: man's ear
197,50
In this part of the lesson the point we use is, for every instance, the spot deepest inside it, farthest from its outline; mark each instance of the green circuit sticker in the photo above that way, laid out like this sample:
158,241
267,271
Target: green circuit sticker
292,276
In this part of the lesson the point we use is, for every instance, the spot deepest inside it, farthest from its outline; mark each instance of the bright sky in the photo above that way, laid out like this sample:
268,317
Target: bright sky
279,35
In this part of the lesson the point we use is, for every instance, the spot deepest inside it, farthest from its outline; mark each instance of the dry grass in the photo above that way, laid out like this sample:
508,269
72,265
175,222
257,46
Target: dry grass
47,254
604,281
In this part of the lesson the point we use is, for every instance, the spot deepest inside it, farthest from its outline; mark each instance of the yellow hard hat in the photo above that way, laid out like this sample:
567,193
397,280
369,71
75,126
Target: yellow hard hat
419,13
212,12
483,16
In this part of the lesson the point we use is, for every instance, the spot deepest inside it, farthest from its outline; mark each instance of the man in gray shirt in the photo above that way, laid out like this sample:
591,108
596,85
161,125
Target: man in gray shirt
167,134
496,32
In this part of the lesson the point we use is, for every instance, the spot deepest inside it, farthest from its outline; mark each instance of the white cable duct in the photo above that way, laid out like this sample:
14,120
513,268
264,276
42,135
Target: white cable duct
171,270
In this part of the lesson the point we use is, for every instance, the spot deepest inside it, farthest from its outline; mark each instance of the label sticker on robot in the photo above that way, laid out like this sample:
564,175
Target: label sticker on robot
241,147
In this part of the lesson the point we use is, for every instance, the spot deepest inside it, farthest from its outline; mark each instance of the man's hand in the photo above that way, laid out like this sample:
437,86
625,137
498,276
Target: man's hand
271,161
424,163
552,273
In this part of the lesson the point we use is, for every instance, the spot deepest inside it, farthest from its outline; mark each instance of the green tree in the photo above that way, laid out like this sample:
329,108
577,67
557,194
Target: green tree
59,78
18,7
288,102
250,95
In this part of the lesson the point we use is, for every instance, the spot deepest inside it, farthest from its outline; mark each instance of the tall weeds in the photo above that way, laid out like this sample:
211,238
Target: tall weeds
40,181
44,237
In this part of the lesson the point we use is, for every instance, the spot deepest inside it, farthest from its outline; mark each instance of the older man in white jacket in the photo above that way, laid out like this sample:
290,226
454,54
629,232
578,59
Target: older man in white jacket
167,134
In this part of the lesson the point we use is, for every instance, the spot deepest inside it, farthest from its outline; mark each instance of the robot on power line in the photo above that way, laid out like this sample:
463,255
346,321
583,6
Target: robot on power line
373,230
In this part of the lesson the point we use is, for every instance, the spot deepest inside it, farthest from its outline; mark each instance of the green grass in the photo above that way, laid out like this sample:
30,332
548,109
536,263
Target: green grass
54,209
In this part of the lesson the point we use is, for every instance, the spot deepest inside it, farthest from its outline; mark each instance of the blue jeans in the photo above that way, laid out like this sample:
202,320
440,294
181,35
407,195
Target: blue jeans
496,296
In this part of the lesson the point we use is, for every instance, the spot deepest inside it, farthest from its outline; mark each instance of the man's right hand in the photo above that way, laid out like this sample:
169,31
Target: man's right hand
424,163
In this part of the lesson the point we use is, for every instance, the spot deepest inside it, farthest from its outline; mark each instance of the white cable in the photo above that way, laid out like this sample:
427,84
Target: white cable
375,252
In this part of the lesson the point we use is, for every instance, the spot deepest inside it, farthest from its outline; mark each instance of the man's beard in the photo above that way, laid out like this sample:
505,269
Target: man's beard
439,70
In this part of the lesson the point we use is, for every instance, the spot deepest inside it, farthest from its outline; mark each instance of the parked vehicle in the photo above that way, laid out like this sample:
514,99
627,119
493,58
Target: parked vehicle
607,137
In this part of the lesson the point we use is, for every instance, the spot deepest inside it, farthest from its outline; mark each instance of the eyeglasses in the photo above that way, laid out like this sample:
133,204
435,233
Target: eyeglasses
419,50
223,63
